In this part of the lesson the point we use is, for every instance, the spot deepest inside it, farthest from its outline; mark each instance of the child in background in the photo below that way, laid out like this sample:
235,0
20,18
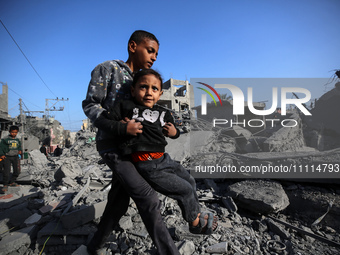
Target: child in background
10,149
145,145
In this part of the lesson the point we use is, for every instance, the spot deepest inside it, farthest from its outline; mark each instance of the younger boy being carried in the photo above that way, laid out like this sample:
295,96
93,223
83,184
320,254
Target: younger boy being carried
142,138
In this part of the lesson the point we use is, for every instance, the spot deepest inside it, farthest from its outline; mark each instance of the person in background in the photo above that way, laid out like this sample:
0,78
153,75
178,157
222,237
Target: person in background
43,150
58,151
10,150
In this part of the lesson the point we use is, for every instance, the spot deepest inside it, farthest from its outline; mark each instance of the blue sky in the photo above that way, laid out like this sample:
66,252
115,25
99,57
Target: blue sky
64,40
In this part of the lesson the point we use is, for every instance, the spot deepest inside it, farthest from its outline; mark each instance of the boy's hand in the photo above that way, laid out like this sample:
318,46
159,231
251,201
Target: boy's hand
125,120
169,130
134,128
3,157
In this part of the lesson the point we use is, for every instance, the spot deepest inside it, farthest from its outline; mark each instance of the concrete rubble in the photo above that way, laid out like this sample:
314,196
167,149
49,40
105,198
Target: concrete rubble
59,202
58,211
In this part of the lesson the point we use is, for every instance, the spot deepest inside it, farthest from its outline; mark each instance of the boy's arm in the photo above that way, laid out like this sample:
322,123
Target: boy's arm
96,94
115,119
170,129
110,121
20,148
2,149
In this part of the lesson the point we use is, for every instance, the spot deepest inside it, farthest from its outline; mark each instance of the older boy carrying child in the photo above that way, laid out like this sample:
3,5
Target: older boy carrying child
110,82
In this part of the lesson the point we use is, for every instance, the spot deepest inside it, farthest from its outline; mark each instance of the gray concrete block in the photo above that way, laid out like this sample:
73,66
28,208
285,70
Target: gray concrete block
4,227
17,239
61,236
83,216
33,219
259,196
68,169
51,206
39,160
125,222
16,214
187,144
186,247
82,250
220,248
18,195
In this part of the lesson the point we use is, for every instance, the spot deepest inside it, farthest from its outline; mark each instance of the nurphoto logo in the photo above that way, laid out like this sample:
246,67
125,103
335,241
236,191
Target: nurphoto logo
238,99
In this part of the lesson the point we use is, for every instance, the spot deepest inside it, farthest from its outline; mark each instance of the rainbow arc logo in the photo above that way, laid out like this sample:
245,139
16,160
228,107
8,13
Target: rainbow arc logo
209,93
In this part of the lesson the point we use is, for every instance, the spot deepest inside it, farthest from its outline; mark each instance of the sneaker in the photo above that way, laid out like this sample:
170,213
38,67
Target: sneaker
14,184
5,188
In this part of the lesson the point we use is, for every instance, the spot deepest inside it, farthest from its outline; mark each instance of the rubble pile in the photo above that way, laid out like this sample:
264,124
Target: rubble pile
61,199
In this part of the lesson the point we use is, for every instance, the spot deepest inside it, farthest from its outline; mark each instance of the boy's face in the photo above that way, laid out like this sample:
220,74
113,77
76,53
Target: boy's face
147,90
144,54
13,133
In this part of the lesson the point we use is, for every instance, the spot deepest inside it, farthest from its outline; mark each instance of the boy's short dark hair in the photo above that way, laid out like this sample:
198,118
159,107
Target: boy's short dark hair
13,128
144,72
139,35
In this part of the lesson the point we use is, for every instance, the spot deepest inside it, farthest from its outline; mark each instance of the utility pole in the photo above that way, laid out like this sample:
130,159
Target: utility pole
51,108
22,128
21,116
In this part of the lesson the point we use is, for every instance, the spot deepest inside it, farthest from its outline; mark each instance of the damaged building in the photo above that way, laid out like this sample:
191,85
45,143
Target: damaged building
177,95
33,131
5,119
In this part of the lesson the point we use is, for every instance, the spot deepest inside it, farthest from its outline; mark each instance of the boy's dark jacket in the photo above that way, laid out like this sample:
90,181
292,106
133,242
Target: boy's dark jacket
10,146
153,119
110,82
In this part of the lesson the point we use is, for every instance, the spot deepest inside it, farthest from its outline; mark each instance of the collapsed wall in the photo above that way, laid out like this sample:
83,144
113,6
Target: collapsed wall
286,138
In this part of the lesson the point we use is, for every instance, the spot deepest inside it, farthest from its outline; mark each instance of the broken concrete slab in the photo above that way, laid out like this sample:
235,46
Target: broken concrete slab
82,250
4,226
242,137
18,195
33,219
68,169
186,247
38,159
288,138
187,144
17,239
84,215
125,222
58,235
16,214
326,104
219,248
259,196
51,206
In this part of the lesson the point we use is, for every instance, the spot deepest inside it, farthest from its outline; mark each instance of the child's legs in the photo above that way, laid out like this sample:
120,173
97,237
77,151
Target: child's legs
7,170
16,171
146,200
171,179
